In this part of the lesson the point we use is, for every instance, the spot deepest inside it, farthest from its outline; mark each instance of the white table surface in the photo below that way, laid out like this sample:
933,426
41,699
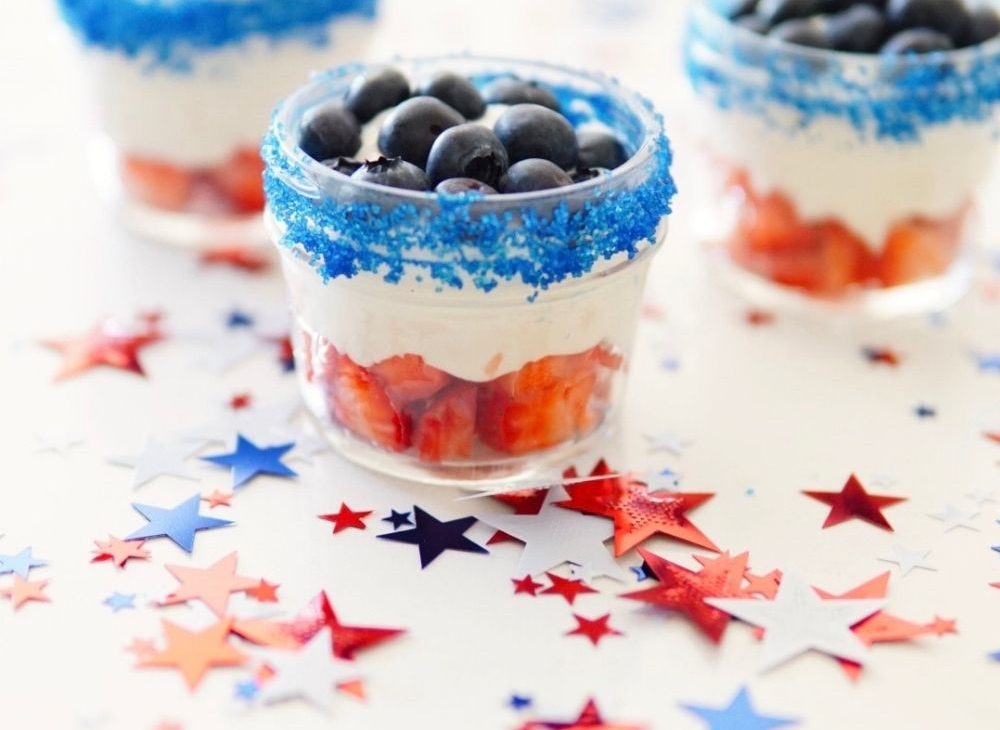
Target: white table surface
774,409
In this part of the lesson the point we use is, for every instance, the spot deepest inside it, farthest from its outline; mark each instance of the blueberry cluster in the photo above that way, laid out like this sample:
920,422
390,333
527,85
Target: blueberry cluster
867,26
431,141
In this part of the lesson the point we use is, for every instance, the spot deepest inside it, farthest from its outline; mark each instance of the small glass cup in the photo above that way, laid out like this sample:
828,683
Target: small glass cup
843,179
467,339
183,90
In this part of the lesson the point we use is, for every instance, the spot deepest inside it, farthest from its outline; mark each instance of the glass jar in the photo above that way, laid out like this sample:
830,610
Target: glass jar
183,90
848,179
469,338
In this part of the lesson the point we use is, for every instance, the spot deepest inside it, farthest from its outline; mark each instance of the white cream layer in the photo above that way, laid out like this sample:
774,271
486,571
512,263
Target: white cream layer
201,116
827,171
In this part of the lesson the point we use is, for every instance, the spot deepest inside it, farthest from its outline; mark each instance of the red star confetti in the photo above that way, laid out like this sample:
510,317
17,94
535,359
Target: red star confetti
759,317
119,551
240,401
267,632
882,356
594,629
211,585
264,592
567,588
346,518
638,514
346,640
993,436
590,717
526,585
22,591
193,653
765,586
141,648
244,258
218,499
109,343
853,502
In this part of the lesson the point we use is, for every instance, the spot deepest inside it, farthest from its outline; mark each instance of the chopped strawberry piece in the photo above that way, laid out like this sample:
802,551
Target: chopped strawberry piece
915,250
605,356
844,259
447,427
239,180
407,378
157,183
360,404
771,224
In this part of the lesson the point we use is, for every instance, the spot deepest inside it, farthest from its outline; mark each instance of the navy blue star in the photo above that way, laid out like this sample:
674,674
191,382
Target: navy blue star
519,702
989,363
432,537
925,411
179,524
398,519
641,572
237,319
249,460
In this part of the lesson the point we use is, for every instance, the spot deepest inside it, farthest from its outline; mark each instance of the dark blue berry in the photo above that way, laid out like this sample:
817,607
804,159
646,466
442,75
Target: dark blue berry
529,175
530,130
344,165
860,29
809,32
982,25
332,131
461,185
755,23
778,11
515,91
395,173
917,40
375,92
468,150
582,174
945,16
600,149
411,128
457,92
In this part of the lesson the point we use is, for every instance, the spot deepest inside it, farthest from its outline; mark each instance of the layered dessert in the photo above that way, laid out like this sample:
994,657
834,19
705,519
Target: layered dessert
848,138
465,243
183,89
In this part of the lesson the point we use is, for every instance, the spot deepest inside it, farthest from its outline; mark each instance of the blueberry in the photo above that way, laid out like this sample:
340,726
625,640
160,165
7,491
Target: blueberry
331,132
860,29
600,149
460,185
344,165
395,173
457,92
514,91
809,32
755,23
917,40
468,150
982,25
530,130
778,11
946,16
376,91
411,128
582,174
534,174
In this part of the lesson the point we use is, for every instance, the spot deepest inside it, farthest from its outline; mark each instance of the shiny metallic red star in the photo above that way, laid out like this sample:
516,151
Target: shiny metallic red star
594,629
567,588
590,717
109,343
346,518
345,640
853,502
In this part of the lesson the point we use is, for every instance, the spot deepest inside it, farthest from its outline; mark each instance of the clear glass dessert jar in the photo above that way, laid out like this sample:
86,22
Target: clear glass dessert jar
467,338
841,177
183,91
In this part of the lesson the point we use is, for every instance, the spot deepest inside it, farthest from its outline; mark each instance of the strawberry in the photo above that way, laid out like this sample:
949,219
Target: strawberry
157,183
446,428
844,260
770,223
915,250
238,179
407,378
359,403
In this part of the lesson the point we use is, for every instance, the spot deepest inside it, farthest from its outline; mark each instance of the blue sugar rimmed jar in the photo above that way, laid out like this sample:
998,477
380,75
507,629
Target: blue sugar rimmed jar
183,91
467,339
841,182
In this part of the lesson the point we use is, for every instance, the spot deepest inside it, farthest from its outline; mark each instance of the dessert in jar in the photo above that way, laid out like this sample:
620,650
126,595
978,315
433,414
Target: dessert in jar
847,141
465,242
183,90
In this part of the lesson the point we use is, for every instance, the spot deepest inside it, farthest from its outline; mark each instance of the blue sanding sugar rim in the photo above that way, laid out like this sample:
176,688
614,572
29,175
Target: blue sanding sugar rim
457,239
170,32
882,97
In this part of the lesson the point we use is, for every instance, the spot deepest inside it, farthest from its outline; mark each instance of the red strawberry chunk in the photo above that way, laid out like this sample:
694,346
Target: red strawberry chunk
446,429
239,180
158,184
407,378
359,403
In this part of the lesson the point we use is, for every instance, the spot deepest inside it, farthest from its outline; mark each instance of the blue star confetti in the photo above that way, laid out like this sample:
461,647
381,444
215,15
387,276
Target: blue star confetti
179,524
640,572
989,363
738,715
519,702
925,411
432,536
246,691
237,319
249,460
120,601
21,564
398,519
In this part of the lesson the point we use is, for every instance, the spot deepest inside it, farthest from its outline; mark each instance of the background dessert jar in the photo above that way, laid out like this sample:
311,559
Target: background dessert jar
465,304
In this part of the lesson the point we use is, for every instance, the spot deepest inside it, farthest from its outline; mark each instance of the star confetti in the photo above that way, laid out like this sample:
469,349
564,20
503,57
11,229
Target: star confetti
21,564
432,536
264,592
527,585
158,459
22,591
568,589
211,585
881,356
594,629
309,674
739,714
109,343
798,620
589,717
954,516
193,653
251,259
524,502
908,559
218,499
120,601
925,411
988,362
179,524
119,551
346,518
249,460
519,702
853,502
345,641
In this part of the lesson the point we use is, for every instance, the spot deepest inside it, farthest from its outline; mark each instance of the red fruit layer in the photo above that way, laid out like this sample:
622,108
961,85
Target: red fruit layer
233,187
825,257
402,403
